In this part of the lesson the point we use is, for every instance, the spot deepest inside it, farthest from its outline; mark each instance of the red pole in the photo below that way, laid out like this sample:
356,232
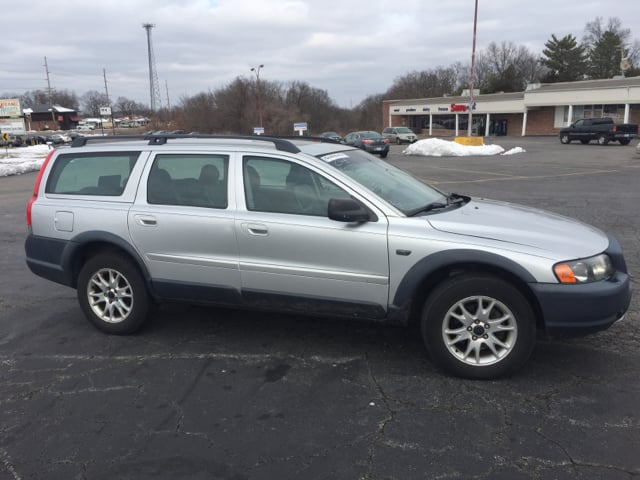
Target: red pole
473,64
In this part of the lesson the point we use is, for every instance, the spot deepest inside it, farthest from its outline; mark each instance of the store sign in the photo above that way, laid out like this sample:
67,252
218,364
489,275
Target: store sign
10,107
462,107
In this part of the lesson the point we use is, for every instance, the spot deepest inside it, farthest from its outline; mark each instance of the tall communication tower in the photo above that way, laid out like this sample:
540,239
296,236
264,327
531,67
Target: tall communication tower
154,87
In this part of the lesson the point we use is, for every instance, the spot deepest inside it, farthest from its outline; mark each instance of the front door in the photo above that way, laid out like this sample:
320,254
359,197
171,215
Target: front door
293,256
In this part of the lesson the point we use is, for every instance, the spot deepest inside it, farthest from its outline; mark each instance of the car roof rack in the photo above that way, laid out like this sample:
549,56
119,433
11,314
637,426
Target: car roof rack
280,143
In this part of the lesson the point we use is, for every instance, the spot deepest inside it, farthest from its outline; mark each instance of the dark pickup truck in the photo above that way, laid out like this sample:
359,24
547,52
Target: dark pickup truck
604,130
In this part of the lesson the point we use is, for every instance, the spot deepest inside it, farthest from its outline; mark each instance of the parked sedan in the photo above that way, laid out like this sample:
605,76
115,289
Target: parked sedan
332,135
370,141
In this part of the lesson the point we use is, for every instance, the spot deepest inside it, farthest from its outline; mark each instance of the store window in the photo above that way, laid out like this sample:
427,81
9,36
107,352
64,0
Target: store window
594,111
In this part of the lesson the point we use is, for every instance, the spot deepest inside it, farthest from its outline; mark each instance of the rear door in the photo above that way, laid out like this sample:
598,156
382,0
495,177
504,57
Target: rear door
182,224
293,256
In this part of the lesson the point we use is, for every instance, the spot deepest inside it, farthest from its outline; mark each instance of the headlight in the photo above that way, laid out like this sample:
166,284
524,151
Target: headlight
585,270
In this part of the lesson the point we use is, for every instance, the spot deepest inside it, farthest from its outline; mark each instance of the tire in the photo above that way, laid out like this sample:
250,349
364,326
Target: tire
398,141
112,294
384,155
584,141
624,141
603,140
564,138
470,343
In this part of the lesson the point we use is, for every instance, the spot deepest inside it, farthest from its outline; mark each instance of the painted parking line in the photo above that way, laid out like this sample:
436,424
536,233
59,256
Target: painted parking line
503,178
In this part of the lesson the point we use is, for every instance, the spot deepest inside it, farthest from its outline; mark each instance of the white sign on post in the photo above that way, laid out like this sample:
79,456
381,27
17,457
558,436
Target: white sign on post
105,111
300,127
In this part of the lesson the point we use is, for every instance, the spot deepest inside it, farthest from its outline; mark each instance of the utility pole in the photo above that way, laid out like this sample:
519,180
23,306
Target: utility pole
166,86
106,91
49,91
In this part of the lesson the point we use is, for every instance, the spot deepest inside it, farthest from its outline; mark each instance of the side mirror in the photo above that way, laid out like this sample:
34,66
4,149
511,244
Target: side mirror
347,210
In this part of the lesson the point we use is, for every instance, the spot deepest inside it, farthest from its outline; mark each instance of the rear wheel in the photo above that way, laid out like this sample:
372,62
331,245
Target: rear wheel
384,155
112,294
478,326
564,138
603,140
398,141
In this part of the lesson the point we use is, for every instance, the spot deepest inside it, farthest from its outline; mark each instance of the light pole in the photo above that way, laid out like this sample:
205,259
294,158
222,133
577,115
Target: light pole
256,71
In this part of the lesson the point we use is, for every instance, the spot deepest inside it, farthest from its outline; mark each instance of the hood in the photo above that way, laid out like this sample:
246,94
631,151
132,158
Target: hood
553,235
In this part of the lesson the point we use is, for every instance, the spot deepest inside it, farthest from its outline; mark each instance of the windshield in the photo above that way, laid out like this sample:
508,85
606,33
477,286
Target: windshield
404,130
393,185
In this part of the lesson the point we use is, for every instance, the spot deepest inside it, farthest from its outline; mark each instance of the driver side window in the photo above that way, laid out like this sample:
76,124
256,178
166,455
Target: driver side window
280,186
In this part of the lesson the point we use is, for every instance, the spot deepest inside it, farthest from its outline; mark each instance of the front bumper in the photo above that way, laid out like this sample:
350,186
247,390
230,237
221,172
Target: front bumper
571,310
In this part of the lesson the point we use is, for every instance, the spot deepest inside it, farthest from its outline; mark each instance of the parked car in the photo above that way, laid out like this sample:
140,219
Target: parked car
369,141
399,135
13,141
35,140
332,135
315,228
604,130
59,138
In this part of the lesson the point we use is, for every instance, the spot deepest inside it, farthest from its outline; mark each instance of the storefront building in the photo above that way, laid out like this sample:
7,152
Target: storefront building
543,109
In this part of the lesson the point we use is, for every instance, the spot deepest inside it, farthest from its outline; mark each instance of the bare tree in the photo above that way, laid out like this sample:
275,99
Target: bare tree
507,67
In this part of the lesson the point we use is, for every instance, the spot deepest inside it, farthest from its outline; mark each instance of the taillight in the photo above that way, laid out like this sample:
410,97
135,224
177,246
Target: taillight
386,140
36,187
367,142
615,128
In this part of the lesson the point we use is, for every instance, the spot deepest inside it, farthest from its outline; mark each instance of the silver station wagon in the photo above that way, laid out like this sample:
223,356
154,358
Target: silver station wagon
311,225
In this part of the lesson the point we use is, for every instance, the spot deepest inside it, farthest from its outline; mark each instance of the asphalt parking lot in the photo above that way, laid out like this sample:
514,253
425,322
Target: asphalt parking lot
205,393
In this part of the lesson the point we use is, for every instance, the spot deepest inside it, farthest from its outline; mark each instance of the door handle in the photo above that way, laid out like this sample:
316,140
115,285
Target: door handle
146,221
257,229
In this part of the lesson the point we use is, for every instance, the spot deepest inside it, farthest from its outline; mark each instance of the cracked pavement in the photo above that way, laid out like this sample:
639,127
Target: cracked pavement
205,393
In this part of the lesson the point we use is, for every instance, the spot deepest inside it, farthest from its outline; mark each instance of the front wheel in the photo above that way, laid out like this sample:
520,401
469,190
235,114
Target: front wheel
478,326
398,141
564,138
624,141
112,294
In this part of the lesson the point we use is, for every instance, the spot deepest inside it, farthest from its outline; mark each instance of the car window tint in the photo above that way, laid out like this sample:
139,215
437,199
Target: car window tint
104,174
279,186
189,179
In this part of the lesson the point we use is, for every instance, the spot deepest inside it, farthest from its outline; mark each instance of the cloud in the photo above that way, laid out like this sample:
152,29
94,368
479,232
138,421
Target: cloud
351,49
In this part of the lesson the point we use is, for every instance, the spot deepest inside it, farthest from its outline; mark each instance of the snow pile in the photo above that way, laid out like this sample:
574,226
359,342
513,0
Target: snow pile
14,161
435,147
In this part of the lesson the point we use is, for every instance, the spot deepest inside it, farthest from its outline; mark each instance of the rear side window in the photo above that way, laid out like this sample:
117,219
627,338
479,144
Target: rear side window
189,179
103,174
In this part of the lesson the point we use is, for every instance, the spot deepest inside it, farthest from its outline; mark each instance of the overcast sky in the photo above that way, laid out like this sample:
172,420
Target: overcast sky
350,48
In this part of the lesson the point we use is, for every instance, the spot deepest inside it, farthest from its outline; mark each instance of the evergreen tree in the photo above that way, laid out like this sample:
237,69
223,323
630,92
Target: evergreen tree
564,58
605,56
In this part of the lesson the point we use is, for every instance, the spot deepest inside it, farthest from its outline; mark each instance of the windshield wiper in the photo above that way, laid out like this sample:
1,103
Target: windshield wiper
455,198
452,199
427,208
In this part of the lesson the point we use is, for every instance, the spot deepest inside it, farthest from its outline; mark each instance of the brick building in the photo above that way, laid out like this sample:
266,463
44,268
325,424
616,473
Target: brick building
543,109
56,117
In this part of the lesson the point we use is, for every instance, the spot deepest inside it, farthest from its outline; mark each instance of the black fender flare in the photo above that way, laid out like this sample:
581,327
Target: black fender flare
77,243
449,259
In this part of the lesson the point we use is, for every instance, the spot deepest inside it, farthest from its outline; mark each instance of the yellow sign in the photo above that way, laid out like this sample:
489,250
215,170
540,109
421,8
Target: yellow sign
469,141
5,137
